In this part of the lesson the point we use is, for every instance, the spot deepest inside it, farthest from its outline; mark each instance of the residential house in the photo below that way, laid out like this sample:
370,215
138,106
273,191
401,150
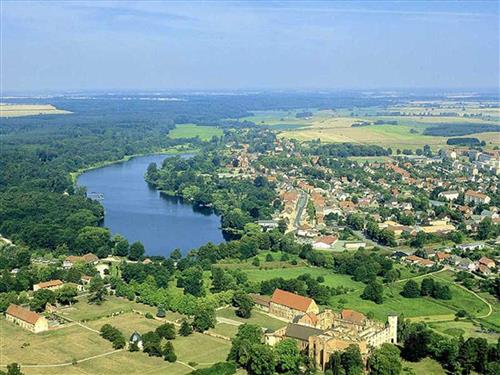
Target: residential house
476,197
449,195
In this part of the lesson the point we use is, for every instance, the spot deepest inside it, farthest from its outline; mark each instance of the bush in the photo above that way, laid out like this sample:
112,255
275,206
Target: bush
221,368
149,316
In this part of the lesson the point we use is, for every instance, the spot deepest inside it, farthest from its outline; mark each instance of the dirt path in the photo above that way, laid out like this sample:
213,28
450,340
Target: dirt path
70,363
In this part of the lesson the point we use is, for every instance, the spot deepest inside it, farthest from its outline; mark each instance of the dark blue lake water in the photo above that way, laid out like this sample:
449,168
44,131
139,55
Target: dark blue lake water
140,213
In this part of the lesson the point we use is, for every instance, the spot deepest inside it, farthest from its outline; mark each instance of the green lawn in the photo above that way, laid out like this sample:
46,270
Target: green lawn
331,279
426,366
463,328
224,329
83,311
58,346
191,131
257,317
412,307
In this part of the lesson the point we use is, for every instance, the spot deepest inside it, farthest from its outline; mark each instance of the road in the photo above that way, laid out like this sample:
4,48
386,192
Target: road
301,204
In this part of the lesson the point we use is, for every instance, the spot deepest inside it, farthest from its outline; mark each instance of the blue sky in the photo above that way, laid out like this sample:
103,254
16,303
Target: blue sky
76,45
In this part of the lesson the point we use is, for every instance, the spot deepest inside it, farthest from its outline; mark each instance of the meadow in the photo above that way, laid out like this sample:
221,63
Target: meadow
74,342
205,133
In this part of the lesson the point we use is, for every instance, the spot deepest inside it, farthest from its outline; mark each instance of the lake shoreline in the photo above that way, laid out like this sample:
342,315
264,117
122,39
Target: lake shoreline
168,151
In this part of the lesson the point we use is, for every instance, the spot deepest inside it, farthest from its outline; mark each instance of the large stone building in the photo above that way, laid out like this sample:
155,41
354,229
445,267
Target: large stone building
323,333
476,197
288,305
26,319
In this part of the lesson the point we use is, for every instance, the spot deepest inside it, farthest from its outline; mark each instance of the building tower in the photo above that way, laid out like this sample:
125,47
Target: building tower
393,328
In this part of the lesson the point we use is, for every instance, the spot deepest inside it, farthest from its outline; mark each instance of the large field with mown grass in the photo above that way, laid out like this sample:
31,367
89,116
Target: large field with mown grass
336,127
205,133
72,342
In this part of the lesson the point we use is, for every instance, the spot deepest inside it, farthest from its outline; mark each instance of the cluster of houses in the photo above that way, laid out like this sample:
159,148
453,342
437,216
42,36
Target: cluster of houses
323,333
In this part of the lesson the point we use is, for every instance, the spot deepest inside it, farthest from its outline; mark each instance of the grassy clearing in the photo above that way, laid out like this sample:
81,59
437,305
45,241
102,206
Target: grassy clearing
224,329
426,366
127,323
81,310
412,307
463,328
58,346
331,279
257,317
205,133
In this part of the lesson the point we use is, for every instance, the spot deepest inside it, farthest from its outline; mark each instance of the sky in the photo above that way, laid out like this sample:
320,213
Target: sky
242,45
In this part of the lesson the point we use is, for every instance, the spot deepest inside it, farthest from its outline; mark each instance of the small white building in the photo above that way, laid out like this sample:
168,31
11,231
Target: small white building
324,242
449,195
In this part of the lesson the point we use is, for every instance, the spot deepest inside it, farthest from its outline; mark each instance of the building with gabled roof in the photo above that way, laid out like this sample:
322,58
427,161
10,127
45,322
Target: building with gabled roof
50,285
26,319
288,305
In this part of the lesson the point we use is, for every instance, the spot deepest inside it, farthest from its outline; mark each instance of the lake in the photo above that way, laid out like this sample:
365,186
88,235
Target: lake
140,213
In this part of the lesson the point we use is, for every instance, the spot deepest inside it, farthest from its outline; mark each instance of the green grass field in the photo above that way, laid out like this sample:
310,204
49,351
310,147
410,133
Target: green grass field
58,346
331,279
257,317
426,366
413,307
463,328
83,311
205,133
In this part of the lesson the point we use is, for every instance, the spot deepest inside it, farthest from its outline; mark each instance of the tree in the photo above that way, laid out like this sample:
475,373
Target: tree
160,312
427,287
222,280
136,251
351,360
121,247
204,318
169,353
484,229
192,281
385,361
411,290
288,358
97,290
91,238
186,328
41,297
247,335
12,369
416,343
66,294
166,331
243,303
262,360
151,343
374,292
441,291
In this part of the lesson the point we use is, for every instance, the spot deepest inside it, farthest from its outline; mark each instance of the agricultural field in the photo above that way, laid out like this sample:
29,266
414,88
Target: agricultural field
205,133
18,110
336,126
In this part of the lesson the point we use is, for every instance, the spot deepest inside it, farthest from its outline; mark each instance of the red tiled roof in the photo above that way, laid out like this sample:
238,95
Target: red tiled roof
291,300
353,316
22,313
329,240
49,284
